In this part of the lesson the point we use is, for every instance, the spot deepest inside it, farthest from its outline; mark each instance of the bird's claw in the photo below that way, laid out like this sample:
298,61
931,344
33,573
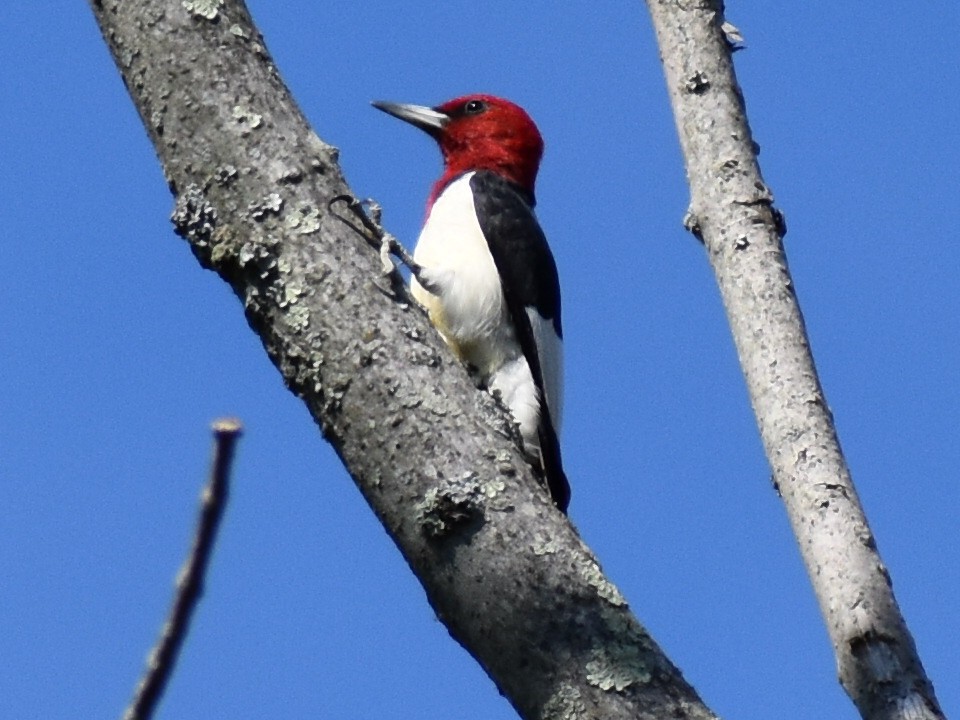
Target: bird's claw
369,212
386,263
357,206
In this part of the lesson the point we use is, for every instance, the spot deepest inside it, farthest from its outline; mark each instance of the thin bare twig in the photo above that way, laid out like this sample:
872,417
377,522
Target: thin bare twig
213,500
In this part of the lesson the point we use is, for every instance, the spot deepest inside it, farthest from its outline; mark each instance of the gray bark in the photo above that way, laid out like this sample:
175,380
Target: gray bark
436,459
732,212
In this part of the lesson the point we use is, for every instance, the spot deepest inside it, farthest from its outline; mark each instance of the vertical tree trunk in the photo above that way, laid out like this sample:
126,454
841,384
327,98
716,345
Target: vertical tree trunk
732,212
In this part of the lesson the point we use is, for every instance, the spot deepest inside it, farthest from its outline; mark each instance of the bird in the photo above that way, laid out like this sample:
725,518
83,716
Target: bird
483,269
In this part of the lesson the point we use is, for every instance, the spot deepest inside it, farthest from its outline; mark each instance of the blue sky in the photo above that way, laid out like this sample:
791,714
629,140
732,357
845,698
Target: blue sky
117,350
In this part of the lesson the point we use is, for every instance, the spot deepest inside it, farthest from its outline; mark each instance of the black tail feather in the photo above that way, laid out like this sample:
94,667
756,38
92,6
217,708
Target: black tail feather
553,466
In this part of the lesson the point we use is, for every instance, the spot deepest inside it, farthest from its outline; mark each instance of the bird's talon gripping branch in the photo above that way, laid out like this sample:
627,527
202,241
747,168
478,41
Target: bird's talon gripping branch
388,244
388,268
400,252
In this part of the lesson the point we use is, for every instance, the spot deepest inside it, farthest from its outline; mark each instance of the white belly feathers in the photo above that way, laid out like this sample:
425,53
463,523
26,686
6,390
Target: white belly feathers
469,309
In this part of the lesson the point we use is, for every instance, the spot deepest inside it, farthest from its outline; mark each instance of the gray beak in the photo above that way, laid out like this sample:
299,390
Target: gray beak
427,119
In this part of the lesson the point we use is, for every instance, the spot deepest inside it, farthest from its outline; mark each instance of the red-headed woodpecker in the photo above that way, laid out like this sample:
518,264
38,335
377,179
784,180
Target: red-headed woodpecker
484,271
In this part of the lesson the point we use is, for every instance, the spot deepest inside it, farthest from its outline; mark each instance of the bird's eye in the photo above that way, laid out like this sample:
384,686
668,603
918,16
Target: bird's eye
474,107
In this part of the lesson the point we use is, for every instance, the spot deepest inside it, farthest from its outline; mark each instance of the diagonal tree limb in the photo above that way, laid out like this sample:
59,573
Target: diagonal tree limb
732,213
163,657
437,460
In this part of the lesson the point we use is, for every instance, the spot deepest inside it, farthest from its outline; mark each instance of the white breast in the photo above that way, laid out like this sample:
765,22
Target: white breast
469,309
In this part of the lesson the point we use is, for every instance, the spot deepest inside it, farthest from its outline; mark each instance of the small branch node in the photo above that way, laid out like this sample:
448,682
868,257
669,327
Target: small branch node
692,223
732,35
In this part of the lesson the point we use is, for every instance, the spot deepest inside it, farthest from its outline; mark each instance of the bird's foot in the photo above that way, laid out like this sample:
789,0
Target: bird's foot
370,212
389,245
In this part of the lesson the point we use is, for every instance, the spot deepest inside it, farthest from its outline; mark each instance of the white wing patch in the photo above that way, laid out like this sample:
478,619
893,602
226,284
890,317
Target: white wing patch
550,353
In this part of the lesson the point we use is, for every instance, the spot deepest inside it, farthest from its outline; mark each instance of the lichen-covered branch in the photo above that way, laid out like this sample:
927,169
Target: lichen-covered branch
732,212
437,460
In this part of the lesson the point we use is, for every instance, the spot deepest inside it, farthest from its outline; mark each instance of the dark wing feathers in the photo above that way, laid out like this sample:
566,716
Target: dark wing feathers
529,279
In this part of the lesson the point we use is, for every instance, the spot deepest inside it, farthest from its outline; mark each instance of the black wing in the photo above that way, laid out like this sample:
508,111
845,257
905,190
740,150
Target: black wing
529,279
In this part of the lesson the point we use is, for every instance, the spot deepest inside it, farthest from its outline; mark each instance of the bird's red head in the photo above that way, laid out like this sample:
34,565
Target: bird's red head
479,132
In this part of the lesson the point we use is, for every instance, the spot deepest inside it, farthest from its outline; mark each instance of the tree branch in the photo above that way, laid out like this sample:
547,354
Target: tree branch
437,460
190,581
732,212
